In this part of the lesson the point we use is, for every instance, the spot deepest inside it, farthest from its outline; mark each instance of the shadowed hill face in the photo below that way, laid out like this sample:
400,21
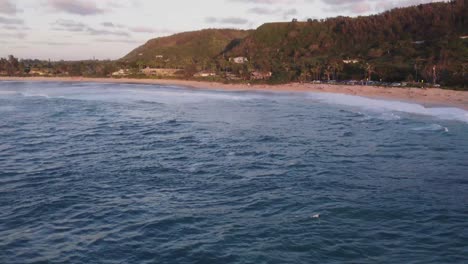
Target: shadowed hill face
185,48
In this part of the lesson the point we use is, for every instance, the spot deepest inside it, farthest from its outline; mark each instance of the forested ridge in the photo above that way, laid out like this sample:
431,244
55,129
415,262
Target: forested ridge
401,44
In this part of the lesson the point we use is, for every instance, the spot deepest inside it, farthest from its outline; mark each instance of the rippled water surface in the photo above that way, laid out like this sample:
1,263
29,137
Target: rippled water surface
109,173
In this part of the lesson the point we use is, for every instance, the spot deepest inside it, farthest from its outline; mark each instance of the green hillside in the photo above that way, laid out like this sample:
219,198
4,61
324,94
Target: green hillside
401,44
425,43
180,50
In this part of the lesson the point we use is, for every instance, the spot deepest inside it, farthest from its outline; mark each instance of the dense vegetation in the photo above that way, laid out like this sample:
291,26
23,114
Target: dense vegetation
12,66
421,43
415,43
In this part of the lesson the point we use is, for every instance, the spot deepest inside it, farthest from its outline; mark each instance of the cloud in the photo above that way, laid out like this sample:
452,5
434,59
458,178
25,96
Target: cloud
55,43
103,32
18,35
11,21
107,24
227,20
77,7
289,13
124,3
7,7
16,27
125,41
69,25
263,11
367,6
142,30
111,25
360,8
73,26
266,2
386,5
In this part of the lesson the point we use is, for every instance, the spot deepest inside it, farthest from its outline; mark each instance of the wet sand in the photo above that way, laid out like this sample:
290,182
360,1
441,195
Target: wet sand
426,96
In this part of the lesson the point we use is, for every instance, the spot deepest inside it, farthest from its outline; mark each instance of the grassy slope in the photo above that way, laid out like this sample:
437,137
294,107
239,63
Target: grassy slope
185,48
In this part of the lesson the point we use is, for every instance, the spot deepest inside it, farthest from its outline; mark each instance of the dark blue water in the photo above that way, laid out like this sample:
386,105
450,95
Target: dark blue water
106,173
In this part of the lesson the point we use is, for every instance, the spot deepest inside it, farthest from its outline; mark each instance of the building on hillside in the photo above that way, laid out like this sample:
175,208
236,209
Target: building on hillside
38,72
464,37
419,42
350,61
150,71
239,60
205,74
257,75
159,56
120,73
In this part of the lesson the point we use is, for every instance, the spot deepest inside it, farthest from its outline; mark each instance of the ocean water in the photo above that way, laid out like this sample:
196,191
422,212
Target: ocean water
121,173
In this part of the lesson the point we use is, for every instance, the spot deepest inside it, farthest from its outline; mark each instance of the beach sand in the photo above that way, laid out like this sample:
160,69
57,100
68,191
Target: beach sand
428,97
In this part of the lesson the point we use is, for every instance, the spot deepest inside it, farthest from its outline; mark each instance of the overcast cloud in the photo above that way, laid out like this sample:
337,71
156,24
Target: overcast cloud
82,29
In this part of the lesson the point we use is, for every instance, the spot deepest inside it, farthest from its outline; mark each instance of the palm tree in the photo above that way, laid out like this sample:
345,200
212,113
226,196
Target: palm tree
369,70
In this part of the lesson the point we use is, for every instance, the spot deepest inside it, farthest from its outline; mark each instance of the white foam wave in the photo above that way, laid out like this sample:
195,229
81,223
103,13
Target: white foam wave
127,93
389,107
26,94
431,127
385,109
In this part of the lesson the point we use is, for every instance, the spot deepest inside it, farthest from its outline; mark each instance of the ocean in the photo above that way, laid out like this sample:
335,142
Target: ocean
123,173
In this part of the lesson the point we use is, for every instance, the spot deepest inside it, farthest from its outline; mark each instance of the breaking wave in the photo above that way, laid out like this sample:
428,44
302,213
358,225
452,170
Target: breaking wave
379,105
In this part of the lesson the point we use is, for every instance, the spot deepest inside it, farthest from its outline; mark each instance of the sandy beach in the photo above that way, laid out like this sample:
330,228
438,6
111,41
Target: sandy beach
427,97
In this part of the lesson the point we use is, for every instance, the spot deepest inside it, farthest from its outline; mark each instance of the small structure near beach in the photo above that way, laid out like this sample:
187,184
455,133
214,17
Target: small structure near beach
121,73
164,72
239,60
204,74
257,75
38,72
351,61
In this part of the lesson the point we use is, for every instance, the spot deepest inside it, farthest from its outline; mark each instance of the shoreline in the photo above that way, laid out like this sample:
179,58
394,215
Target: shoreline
426,96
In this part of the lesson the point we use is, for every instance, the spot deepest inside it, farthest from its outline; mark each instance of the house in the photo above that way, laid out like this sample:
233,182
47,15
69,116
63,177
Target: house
159,56
159,72
149,71
256,75
419,42
239,60
121,72
204,74
38,72
350,61
464,37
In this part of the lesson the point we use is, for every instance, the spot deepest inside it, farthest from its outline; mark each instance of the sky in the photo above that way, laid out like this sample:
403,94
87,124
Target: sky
109,29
